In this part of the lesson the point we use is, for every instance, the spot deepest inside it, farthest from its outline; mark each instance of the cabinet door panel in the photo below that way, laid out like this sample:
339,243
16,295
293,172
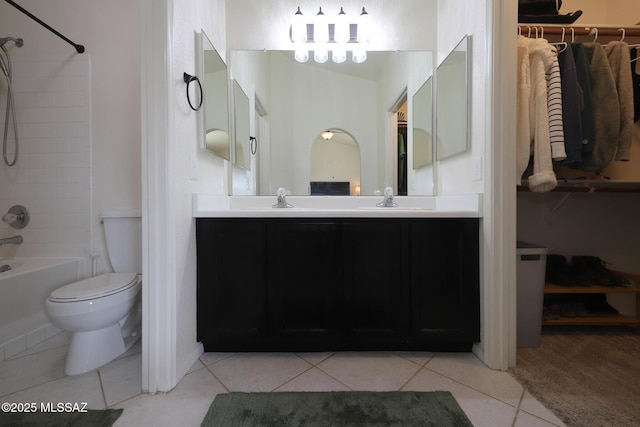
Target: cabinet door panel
445,280
375,303
232,289
303,277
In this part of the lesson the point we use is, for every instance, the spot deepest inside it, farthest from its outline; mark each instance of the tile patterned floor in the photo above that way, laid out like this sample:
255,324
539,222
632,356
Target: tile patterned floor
489,398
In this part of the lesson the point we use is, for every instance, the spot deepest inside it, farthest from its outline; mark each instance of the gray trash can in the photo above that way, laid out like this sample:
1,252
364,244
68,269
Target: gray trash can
530,271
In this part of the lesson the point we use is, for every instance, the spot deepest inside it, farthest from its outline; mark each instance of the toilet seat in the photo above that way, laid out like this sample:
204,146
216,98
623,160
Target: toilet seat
95,287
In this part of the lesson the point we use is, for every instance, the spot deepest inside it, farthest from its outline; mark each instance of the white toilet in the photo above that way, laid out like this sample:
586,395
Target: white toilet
104,312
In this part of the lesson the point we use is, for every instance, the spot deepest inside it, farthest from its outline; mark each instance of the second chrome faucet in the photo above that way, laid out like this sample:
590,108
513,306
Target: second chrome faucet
388,199
282,199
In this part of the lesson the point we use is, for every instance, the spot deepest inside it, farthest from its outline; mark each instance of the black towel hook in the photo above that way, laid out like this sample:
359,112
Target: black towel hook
188,78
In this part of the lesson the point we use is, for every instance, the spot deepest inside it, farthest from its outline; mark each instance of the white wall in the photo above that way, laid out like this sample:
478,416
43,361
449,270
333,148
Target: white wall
457,18
189,17
77,158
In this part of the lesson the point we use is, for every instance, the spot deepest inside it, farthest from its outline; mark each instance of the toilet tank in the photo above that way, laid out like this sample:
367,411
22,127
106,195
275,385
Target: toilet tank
123,233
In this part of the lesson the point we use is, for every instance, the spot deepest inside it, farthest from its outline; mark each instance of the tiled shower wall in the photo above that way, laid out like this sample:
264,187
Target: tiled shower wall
52,177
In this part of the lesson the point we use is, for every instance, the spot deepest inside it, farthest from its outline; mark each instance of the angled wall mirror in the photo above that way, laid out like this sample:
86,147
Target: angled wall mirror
242,157
423,125
452,101
215,106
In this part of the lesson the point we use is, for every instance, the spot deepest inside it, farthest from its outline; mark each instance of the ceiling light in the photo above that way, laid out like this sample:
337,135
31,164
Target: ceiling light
327,135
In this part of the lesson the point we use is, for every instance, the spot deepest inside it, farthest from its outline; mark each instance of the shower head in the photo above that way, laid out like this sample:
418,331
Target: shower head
18,41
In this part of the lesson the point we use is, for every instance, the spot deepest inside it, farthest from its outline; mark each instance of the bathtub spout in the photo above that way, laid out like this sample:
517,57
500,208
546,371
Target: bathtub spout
15,240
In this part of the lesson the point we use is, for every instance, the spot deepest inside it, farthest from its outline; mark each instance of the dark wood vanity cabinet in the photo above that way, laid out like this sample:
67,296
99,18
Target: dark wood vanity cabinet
445,291
323,284
232,281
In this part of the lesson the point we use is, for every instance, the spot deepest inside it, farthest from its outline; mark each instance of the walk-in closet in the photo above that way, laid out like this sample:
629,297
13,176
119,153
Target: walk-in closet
578,199
580,202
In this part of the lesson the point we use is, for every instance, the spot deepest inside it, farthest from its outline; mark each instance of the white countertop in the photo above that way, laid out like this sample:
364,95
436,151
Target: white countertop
454,206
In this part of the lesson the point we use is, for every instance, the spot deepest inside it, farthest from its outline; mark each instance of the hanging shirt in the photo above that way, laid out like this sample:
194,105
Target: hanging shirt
583,73
620,60
606,111
554,105
635,74
572,105
540,61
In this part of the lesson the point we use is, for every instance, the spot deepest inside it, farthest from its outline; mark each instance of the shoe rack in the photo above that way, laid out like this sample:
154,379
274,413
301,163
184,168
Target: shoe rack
607,319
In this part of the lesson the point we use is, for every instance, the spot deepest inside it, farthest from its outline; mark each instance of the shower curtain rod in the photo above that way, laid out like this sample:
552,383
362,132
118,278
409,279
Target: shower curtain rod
79,48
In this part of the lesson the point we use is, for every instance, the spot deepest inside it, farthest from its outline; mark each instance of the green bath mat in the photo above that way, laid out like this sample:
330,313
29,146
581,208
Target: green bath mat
343,408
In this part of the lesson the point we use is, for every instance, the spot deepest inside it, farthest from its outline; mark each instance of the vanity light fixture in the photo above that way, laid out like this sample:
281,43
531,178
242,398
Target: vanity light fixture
337,37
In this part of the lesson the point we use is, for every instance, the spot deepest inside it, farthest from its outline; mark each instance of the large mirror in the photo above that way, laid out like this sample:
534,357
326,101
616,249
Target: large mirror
302,100
215,108
452,101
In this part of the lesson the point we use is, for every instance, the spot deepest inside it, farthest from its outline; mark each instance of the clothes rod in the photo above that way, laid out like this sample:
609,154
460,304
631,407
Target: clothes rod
79,48
570,30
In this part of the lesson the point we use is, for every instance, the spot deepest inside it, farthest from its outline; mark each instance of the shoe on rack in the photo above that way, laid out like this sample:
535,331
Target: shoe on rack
559,272
593,270
580,309
566,310
551,313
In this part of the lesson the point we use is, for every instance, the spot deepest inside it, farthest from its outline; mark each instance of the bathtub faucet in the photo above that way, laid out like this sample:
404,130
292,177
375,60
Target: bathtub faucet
15,240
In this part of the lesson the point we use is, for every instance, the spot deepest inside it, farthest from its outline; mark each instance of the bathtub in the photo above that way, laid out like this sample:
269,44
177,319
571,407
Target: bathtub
25,283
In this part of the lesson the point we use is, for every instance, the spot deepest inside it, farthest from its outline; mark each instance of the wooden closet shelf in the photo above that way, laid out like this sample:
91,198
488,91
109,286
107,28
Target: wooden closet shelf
550,288
594,319
591,185
601,319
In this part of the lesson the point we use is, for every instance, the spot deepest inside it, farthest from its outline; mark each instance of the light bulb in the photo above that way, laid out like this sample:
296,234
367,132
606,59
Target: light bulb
301,55
359,56
364,27
320,56
341,29
321,28
298,28
339,56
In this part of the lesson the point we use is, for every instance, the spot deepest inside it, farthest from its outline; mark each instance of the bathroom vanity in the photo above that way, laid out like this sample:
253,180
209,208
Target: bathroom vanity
337,277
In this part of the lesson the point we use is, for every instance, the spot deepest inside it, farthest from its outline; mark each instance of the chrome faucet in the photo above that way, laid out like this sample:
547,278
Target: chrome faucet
388,198
282,199
15,240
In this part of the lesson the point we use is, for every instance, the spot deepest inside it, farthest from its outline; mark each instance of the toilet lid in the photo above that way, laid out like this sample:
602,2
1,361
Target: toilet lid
95,287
